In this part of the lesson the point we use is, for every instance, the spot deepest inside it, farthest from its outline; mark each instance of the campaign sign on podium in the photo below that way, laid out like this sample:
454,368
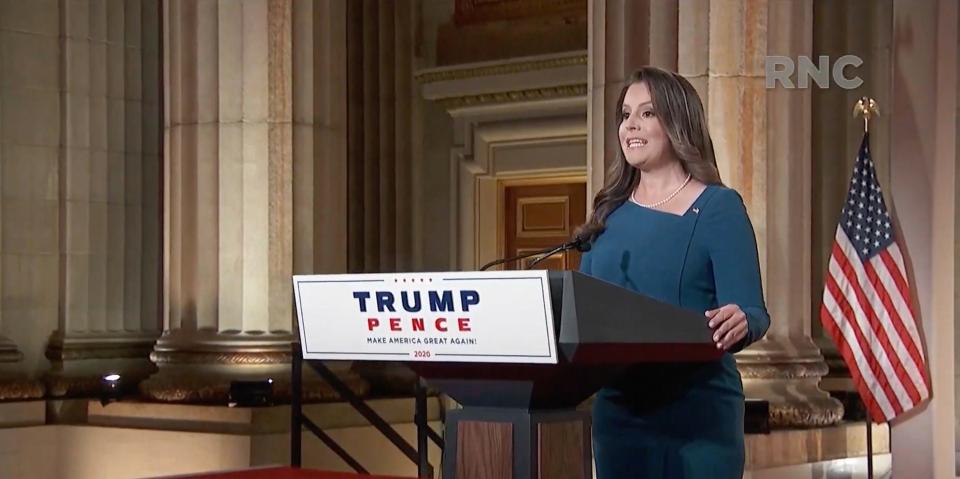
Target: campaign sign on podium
497,317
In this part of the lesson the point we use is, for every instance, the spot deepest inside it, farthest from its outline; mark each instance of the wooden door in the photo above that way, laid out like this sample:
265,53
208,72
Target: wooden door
540,216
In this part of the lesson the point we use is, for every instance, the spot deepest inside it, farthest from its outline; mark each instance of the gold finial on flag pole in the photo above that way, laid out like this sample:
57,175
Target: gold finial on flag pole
867,108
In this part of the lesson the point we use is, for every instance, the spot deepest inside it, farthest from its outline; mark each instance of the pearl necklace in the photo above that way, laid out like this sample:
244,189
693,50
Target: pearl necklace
633,195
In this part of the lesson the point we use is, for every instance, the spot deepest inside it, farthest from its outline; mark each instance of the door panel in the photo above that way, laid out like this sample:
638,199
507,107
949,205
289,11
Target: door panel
541,216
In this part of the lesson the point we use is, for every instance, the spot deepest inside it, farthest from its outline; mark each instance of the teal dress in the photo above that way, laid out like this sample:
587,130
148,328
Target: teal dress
678,420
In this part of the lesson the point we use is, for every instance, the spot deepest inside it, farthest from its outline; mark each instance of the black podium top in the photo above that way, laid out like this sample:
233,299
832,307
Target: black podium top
601,328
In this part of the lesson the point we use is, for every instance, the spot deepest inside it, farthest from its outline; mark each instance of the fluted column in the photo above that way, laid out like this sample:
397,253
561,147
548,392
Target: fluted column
379,150
233,137
379,48
109,195
763,142
319,136
623,35
228,196
29,139
922,116
693,38
320,144
842,28
10,355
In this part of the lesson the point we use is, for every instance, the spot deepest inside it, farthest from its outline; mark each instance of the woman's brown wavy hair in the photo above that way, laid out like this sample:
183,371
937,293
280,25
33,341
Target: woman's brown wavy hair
680,110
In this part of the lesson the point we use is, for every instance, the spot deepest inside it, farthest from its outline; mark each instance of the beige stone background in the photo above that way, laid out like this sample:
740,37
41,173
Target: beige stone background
167,165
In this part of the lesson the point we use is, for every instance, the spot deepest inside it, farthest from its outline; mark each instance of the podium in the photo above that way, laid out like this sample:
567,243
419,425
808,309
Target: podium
520,421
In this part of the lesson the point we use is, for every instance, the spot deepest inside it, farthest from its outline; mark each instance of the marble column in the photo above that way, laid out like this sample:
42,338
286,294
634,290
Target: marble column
227,197
319,136
379,43
379,153
924,151
622,36
844,28
693,38
29,140
109,186
762,141
232,140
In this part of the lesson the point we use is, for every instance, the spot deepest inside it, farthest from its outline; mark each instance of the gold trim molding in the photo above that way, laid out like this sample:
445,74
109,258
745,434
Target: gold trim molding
793,370
84,346
563,175
19,388
500,69
100,352
60,386
516,96
228,358
787,415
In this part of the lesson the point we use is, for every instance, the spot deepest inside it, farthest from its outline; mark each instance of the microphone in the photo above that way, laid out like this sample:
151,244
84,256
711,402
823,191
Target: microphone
580,243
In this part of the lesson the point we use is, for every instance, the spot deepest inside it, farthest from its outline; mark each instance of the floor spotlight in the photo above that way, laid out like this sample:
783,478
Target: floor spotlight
251,393
111,388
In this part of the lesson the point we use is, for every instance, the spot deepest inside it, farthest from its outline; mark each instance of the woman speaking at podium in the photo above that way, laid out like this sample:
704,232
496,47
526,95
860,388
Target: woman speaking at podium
665,226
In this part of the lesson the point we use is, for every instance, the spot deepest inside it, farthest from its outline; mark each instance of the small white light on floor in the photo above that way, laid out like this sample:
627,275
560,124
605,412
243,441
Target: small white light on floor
111,388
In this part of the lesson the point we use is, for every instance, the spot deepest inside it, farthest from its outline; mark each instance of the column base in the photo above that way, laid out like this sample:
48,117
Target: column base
198,367
838,375
14,388
15,385
79,361
839,384
83,378
211,385
787,375
8,351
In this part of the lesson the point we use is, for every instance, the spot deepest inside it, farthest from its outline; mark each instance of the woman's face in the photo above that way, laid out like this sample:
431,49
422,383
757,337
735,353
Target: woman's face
644,142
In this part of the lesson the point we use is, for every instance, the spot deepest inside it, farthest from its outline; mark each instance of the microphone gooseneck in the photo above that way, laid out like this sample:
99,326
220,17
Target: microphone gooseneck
579,243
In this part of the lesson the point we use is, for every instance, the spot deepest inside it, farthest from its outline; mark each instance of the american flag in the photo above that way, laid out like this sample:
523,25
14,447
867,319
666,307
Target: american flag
866,301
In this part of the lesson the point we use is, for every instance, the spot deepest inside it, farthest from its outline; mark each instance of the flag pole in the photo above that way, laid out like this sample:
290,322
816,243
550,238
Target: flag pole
867,108
869,447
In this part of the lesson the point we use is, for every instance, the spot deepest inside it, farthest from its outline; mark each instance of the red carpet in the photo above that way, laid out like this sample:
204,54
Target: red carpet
281,473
